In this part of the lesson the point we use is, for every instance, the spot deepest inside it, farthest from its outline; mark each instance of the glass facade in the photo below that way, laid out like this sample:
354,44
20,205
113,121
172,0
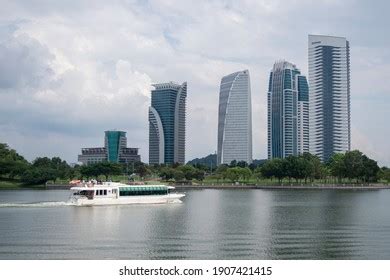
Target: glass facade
235,119
329,74
286,114
114,140
167,123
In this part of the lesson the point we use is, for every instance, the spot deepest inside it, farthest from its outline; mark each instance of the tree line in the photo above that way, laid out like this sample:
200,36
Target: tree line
350,167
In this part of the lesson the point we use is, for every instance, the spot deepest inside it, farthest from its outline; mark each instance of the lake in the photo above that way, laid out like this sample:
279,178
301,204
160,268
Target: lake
209,224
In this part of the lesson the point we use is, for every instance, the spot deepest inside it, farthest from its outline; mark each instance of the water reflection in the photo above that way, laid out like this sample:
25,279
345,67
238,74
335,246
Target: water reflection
210,224
319,225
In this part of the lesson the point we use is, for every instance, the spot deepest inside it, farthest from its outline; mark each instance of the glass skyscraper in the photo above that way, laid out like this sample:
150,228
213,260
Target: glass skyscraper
235,119
329,79
288,111
167,116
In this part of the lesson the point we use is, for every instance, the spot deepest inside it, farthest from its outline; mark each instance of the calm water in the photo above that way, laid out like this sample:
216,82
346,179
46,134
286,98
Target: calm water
210,224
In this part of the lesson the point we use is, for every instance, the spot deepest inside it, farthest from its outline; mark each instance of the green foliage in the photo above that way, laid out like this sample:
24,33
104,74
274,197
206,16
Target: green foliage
274,168
337,166
166,173
38,175
234,174
142,169
385,174
11,163
188,171
178,175
354,165
242,164
102,168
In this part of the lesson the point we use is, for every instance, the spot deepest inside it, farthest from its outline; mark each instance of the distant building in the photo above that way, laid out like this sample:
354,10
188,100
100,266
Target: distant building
235,119
330,108
114,150
167,123
288,111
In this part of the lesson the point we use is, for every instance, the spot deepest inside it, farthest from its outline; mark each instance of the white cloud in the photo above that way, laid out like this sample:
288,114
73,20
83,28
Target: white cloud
74,69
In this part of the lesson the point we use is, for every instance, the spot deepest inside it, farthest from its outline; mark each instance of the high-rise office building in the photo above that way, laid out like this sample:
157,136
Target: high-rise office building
235,119
114,150
329,103
288,111
167,123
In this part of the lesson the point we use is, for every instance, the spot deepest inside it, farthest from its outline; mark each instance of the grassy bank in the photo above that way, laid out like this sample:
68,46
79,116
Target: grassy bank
13,184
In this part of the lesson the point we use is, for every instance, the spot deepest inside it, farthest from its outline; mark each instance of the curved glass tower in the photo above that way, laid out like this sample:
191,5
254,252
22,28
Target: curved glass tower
329,79
235,119
288,111
167,116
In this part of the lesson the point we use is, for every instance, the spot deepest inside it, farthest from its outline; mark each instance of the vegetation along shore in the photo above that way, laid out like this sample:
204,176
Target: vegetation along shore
350,170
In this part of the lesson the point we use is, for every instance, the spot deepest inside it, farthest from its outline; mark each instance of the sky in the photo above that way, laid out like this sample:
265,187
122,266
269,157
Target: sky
69,70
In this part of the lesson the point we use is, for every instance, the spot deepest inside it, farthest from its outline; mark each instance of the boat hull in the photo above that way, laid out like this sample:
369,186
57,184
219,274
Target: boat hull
125,200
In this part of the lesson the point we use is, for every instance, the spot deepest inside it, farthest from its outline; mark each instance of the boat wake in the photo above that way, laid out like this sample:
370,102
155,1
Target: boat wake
38,204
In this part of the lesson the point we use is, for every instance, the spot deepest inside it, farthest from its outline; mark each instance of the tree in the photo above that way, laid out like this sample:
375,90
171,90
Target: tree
166,173
199,174
178,175
274,168
354,166
108,168
246,173
371,170
38,175
337,166
142,170
188,171
233,173
295,167
257,173
11,163
89,171
242,164
55,166
221,170
385,174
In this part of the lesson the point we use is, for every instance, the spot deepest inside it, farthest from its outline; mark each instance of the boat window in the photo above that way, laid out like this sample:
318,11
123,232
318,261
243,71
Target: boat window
97,192
104,192
134,191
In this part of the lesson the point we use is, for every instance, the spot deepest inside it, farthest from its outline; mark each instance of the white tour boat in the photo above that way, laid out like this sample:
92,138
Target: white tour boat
109,193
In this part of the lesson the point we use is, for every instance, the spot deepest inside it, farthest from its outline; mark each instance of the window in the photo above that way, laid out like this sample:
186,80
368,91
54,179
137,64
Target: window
104,192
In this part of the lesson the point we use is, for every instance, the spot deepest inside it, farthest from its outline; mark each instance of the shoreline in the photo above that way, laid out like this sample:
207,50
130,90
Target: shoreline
231,186
287,187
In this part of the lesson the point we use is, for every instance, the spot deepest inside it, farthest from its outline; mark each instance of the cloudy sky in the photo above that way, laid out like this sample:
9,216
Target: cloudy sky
71,69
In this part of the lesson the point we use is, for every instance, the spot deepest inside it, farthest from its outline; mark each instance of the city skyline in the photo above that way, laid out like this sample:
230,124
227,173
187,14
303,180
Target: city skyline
65,79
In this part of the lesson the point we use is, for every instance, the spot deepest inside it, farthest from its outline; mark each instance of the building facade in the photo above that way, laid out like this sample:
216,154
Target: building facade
288,111
167,123
114,150
329,79
235,119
